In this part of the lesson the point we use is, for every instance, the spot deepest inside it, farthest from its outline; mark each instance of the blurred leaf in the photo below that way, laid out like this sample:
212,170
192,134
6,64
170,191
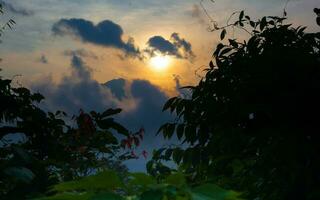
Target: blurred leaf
20,173
213,192
223,34
110,112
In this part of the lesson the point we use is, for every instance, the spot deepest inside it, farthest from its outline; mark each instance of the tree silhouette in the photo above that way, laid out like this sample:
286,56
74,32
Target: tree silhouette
252,122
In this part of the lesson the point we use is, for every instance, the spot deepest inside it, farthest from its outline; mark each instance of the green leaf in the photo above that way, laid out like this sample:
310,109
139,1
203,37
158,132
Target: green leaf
103,181
152,195
177,155
138,182
169,130
106,195
69,196
213,192
23,154
20,173
176,179
180,131
168,154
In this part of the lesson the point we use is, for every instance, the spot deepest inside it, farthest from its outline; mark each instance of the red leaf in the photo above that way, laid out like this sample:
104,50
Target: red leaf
145,154
136,141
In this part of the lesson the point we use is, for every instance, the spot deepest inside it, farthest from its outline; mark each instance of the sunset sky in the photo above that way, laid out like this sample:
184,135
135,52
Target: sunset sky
133,54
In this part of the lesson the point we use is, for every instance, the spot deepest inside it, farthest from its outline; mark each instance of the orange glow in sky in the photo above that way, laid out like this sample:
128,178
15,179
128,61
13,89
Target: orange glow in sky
159,62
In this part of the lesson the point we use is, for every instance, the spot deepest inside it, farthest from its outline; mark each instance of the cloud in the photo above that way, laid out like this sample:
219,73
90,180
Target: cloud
141,101
43,59
147,113
75,91
117,87
158,43
105,33
176,46
83,53
15,10
197,13
184,45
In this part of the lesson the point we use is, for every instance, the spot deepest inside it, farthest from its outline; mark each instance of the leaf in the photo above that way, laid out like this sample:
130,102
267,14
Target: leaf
152,195
168,103
106,195
211,65
241,15
119,128
20,173
218,49
103,181
168,154
176,179
210,191
23,154
234,43
177,155
169,130
252,24
263,23
223,34
149,166
225,51
139,181
111,112
180,131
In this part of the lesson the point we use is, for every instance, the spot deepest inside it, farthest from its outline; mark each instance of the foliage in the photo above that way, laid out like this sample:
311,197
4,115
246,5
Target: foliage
138,186
252,122
52,150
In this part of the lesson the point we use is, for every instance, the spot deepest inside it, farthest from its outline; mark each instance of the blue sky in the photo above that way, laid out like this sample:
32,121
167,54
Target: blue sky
67,49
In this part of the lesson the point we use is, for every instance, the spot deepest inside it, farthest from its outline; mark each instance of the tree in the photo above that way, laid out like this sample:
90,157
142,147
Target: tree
52,150
252,122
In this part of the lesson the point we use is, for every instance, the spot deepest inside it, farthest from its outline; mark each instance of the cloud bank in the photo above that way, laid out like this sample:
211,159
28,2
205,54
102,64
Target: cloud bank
15,10
176,46
105,33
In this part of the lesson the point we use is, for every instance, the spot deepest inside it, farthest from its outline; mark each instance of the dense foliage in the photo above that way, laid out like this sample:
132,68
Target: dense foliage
137,186
49,150
252,122
250,125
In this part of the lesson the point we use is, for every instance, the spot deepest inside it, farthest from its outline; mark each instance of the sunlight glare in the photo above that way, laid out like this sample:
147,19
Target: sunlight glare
160,62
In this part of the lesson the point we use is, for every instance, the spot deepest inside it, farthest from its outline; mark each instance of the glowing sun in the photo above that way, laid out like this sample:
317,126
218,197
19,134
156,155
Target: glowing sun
160,62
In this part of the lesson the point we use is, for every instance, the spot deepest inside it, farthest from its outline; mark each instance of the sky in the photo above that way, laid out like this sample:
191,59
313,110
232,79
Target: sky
132,54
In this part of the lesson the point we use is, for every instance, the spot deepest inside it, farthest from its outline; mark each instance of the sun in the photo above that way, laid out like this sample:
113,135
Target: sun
159,62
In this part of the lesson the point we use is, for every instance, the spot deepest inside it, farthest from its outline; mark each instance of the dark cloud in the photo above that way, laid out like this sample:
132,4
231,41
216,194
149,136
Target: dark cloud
78,90
83,53
184,45
176,46
158,43
16,10
105,33
43,59
147,113
117,87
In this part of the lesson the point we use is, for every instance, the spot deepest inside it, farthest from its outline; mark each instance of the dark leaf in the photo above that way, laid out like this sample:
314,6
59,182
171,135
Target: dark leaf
223,34
110,112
